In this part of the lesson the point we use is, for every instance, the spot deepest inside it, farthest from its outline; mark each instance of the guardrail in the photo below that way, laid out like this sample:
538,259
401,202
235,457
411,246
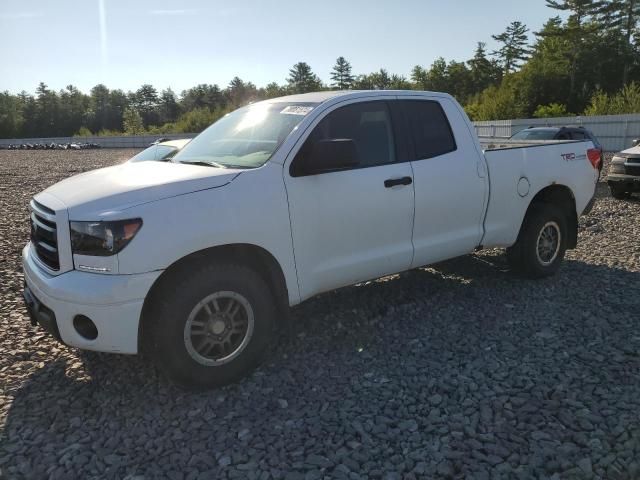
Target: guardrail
124,141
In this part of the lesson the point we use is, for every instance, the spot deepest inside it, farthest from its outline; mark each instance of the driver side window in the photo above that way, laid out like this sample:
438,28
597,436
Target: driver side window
367,125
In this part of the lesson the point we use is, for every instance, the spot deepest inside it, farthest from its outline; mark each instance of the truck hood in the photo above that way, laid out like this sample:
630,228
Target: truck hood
633,152
110,190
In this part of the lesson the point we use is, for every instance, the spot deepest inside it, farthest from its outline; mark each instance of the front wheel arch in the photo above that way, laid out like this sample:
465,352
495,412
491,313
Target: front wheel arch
252,256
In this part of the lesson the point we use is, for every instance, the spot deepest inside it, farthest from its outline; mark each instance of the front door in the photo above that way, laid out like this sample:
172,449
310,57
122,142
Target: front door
356,224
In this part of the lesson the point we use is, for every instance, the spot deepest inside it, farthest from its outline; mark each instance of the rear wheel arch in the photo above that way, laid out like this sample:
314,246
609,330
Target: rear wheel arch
562,198
249,255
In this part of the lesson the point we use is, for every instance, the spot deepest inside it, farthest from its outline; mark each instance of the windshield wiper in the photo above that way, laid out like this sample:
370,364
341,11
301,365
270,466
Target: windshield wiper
205,164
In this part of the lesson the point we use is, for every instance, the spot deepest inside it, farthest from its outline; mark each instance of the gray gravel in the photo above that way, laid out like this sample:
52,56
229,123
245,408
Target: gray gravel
457,371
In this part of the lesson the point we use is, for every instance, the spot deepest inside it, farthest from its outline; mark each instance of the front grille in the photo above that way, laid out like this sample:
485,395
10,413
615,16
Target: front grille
44,235
632,169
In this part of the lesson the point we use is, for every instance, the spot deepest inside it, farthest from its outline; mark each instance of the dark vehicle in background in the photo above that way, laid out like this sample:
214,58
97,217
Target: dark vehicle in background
160,151
624,173
559,133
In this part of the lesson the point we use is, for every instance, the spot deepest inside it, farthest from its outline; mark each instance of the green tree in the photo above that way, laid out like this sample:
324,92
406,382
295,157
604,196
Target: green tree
460,81
168,107
341,74
10,116
133,124
399,82
240,92
48,111
302,79
29,109
627,100
419,77
622,17
496,103
197,120
483,72
73,108
202,96
551,110
437,76
273,90
576,32
118,103
514,48
99,109
381,79
146,102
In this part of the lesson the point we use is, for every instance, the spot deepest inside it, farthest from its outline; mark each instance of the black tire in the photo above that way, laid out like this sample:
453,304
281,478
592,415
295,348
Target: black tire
524,256
166,333
618,192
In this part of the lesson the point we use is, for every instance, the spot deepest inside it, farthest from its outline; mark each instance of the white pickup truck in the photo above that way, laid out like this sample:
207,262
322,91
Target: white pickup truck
197,260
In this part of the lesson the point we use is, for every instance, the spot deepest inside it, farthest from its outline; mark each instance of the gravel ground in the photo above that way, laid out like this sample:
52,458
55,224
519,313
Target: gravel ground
457,371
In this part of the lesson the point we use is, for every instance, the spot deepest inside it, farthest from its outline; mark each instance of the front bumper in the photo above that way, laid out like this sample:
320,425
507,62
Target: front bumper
632,182
112,302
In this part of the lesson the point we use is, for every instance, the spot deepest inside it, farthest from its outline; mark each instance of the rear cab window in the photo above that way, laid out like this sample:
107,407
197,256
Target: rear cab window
430,132
539,134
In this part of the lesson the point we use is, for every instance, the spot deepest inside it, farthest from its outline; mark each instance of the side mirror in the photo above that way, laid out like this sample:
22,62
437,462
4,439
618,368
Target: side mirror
635,142
328,156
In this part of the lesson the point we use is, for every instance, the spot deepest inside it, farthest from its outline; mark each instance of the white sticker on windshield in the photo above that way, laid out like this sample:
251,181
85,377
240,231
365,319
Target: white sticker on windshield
296,110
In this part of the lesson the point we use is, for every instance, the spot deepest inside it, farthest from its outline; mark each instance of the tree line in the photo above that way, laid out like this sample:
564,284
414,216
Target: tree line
587,64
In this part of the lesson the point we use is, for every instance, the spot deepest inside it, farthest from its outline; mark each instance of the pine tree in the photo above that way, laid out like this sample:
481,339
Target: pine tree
484,72
576,31
240,92
145,101
168,106
302,79
622,16
580,9
341,74
419,77
514,46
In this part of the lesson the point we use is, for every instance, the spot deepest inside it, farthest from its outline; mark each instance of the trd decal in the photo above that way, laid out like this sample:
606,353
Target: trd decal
568,157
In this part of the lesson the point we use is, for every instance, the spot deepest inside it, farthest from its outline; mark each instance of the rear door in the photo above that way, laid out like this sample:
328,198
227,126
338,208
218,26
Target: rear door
351,225
450,180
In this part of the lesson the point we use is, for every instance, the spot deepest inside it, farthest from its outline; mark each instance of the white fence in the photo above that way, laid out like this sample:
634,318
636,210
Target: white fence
615,132
125,141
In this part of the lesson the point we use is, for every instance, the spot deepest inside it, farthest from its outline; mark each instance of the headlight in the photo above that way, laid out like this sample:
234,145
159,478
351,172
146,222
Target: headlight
102,239
617,165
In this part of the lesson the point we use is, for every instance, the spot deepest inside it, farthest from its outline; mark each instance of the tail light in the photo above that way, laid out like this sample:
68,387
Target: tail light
594,156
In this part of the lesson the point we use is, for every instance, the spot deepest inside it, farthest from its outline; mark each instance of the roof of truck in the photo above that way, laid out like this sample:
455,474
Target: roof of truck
319,97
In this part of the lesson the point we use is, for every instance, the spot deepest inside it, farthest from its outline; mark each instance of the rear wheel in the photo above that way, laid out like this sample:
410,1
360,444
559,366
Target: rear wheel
541,244
618,192
211,327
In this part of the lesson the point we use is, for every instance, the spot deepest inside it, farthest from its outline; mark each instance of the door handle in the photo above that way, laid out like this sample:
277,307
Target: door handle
392,182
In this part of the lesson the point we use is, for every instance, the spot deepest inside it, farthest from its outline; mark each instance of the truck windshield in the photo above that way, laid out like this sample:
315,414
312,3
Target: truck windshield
245,138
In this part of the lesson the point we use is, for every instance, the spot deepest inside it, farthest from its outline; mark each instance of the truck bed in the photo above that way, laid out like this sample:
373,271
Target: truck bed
518,172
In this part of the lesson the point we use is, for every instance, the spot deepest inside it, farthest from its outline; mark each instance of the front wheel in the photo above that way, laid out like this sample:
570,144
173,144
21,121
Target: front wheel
211,326
541,244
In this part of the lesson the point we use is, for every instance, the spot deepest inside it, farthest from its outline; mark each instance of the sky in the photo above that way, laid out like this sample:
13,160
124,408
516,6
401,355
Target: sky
179,44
